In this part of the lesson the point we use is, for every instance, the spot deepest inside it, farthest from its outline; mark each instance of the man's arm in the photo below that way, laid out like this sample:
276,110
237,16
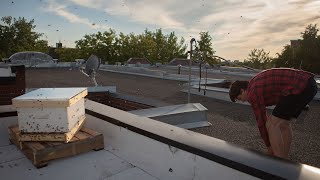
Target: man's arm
259,109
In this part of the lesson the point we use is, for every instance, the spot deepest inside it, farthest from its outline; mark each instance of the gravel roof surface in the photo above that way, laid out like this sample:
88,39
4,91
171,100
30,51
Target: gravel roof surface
231,122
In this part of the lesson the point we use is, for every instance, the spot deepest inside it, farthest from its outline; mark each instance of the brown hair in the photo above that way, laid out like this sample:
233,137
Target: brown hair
235,89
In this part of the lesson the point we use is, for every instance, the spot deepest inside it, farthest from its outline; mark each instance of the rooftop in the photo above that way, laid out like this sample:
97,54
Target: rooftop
142,148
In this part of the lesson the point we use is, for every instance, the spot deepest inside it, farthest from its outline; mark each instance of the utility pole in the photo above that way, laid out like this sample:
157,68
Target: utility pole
190,62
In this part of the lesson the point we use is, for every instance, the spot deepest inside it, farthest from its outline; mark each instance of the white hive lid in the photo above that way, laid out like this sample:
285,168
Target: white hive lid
50,97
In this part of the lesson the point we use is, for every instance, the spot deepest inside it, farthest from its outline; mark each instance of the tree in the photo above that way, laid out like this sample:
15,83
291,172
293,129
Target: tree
123,47
18,35
305,54
285,58
259,59
205,46
155,46
68,54
167,47
100,44
41,46
309,51
175,47
147,45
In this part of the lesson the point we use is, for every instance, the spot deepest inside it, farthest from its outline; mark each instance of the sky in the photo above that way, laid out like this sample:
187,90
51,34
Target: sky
236,26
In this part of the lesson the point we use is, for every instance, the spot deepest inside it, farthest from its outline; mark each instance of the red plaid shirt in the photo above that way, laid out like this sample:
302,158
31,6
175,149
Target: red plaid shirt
266,88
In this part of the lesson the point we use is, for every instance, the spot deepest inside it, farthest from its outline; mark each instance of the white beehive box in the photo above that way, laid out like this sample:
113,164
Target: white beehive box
50,110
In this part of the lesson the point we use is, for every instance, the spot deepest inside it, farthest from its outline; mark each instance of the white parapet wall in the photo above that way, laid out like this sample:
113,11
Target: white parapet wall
157,158
169,152
142,148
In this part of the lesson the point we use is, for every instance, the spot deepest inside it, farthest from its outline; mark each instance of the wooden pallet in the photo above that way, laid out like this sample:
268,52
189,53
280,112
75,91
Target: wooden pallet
40,153
64,137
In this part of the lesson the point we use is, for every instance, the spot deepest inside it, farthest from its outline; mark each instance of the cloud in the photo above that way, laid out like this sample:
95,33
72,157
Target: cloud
61,10
143,12
268,26
236,26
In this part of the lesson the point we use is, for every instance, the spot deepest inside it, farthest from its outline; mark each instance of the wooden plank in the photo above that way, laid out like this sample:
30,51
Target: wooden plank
89,131
14,129
74,139
82,135
35,146
75,129
54,143
40,153
13,136
70,149
76,98
98,142
28,148
64,137
42,137
39,103
13,139
47,144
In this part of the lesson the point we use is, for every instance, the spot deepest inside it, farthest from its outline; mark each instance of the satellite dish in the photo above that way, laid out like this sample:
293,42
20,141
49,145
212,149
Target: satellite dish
92,66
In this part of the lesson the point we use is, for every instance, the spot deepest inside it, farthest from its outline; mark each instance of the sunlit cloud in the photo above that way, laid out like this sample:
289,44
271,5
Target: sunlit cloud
236,26
61,10
275,25
144,12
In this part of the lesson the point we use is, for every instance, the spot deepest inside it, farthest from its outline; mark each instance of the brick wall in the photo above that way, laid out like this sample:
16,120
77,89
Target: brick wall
12,87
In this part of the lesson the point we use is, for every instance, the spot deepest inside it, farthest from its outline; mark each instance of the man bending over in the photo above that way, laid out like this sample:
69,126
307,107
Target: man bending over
290,90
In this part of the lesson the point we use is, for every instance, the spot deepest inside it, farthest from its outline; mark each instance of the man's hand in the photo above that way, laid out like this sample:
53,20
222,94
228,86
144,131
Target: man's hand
270,151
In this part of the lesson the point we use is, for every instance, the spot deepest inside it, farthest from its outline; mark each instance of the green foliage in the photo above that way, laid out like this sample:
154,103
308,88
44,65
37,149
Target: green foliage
41,46
100,44
258,59
68,54
205,46
18,35
305,55
155,46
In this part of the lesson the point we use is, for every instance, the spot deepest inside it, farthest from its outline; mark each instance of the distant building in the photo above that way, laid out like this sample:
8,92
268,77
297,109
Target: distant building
180,61
52,50
59,45
295,43
138,62
236,61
